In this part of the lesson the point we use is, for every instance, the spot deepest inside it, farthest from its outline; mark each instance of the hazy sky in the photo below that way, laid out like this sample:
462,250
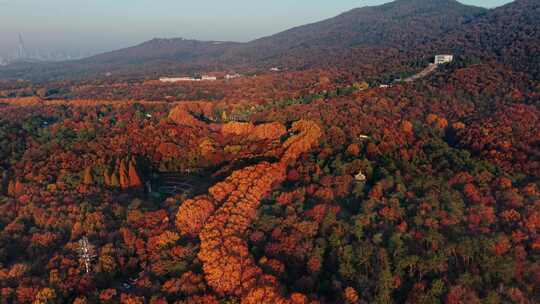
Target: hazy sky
98,25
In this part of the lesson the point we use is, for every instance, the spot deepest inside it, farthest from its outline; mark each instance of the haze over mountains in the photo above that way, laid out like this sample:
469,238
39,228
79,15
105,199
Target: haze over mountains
366,35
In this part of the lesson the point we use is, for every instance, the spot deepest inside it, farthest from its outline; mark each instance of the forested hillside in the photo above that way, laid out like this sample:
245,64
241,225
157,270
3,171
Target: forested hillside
508,34
352,36
417,193
332,183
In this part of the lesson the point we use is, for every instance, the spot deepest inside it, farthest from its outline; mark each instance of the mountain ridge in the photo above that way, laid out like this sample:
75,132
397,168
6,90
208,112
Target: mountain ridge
406,28
399,24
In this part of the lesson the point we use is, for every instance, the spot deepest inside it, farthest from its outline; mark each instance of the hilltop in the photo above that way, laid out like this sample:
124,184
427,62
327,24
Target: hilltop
401,25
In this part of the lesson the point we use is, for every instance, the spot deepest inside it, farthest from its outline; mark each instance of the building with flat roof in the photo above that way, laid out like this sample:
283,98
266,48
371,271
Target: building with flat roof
208,77
442,59
232,76
177,79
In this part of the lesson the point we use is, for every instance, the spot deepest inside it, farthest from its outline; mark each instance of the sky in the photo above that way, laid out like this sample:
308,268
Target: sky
94,26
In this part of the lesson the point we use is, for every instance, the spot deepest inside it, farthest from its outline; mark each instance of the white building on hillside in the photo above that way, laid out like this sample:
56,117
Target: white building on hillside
232,76
442,59
208,77
176,79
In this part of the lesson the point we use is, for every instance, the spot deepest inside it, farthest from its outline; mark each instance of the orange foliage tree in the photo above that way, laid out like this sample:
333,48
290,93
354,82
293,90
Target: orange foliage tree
228,267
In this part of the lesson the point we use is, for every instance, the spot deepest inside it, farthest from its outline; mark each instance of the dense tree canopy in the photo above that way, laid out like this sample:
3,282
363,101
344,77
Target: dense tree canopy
312,186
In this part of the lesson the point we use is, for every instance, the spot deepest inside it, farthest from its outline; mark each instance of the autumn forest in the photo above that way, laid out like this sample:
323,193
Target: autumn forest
330,180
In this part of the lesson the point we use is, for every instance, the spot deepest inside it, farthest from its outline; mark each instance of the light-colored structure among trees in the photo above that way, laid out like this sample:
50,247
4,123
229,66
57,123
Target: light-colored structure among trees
232,76
180,79
442,59
87,253
360,177
208,77
177,79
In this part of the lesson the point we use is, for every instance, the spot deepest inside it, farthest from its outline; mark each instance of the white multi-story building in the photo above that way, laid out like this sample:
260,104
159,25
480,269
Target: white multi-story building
442,59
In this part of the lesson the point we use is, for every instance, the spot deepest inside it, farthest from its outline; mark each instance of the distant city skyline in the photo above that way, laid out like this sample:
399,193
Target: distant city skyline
77,28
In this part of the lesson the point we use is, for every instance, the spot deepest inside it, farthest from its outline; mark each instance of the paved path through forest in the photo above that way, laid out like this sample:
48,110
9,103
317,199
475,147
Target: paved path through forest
428,70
